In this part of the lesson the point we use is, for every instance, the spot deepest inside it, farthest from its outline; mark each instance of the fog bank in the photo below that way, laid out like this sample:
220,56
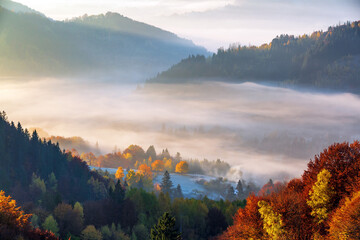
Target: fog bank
264,131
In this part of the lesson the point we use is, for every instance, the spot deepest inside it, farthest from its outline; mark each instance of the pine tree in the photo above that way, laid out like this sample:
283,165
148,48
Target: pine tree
118,193
165,229
240,190
230,195
178,192
166,183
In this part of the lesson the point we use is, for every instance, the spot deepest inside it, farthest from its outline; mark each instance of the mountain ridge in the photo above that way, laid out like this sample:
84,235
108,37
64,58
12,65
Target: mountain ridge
34,45
323,60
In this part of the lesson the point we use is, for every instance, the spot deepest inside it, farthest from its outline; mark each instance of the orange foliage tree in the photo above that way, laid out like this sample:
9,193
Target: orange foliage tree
342,161
182,167
10,214
145,170
345,223
119,173
157,166
247,222
14,223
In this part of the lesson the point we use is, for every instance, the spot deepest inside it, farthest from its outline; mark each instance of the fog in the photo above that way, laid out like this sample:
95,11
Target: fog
263,131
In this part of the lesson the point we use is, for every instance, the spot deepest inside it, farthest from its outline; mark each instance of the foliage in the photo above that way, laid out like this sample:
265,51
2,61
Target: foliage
165,229
272,221
51,225
182,167
119,173
91,233
328,191
10,214
158,166
345,223
320,196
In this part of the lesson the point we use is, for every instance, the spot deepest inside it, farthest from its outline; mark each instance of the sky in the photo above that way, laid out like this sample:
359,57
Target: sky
216,23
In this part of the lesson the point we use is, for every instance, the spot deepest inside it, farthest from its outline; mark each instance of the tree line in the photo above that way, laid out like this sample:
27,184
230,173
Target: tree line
324,59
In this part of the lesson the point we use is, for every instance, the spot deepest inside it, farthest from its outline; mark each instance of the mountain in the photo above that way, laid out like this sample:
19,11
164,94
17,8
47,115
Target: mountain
17,7
31,44
120,23
329,60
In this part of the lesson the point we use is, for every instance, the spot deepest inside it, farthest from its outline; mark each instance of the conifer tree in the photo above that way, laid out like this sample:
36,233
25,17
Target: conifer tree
230,193
165,229
166,183
240,190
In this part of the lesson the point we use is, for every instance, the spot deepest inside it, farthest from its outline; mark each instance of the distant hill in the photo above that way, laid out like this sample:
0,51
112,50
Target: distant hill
17,7
120,23
31,44
327,60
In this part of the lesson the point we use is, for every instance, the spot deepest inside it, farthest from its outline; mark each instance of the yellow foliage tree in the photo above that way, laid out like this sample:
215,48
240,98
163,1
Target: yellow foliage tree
320,196
345,223
272,222
119,173
10,214
157,166
131,177
182,167
168,165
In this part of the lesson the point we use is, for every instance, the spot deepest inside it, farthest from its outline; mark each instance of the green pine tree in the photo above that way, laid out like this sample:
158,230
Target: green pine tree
165,229
166,183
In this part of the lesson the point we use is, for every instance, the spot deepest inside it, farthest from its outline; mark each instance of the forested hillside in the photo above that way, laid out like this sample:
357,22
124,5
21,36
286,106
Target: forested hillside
68,199
324,59
31,44
323,204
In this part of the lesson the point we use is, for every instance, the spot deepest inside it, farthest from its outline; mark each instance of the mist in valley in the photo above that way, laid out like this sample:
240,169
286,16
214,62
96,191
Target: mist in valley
263,131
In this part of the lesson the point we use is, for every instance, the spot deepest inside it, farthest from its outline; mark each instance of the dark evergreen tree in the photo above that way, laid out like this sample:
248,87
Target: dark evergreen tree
150,152
215,222
118,193
166,183
165,229
178,192
230,193
240,190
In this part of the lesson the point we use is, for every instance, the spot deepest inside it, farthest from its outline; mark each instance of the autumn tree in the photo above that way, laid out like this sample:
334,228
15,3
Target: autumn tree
182,167
157,166
272,222
119,173
145,170
247,222
345,223
12,218
165,229
320,196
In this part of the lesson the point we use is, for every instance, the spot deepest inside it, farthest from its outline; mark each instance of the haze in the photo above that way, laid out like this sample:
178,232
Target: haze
216,23
264,131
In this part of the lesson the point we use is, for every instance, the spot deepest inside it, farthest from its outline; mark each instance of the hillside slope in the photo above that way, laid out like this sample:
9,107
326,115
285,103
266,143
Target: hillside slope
329,59
31,44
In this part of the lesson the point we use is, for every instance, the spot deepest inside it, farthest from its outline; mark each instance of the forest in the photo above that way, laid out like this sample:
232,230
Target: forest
61,198
322,60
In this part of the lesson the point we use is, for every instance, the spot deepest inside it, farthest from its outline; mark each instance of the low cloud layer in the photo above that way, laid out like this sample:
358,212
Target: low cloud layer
264,131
